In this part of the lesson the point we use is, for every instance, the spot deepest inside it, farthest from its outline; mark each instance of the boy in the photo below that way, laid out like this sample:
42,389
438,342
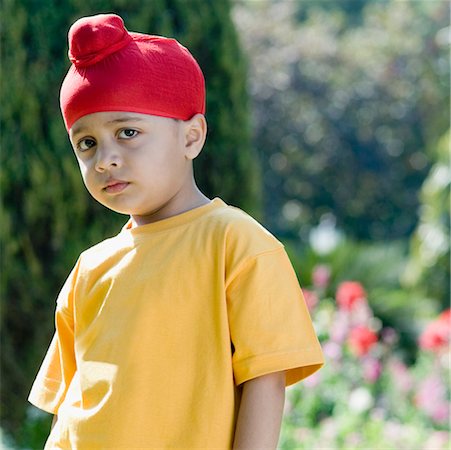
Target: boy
184,329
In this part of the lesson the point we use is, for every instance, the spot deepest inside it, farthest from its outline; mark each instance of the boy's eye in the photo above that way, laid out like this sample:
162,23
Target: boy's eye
127,133
86,144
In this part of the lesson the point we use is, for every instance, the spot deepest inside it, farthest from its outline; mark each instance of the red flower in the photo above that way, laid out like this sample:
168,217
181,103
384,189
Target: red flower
437,334
361,339
349,293
445,316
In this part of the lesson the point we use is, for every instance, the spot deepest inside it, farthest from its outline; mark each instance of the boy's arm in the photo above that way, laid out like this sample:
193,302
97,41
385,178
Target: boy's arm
260,413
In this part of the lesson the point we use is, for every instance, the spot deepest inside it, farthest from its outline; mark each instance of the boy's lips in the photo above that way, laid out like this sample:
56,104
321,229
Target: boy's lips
115,186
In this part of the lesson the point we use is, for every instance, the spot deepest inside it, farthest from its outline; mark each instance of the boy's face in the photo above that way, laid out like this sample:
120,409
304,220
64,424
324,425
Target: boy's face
133,163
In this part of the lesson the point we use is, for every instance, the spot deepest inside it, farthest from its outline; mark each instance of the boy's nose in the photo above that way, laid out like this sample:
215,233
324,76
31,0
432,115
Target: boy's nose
107,158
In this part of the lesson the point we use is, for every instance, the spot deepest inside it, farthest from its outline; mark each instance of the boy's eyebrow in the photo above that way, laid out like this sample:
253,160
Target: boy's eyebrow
79,129
126,119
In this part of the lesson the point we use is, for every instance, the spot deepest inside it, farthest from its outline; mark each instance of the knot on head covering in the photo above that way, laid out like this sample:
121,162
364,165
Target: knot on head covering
93,38
117,70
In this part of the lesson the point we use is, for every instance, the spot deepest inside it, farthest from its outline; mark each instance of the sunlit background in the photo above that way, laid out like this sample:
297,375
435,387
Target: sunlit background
328,121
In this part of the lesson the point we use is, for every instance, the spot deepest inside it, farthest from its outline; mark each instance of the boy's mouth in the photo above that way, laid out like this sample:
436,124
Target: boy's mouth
115,186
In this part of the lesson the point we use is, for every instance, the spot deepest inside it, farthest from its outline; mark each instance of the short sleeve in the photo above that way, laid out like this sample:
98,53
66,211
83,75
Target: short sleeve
270,326
59,366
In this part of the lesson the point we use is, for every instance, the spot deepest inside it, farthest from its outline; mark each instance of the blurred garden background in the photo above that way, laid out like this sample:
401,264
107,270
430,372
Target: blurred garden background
329,121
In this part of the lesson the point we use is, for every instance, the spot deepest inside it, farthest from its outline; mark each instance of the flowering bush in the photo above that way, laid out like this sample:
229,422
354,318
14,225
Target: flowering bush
366,396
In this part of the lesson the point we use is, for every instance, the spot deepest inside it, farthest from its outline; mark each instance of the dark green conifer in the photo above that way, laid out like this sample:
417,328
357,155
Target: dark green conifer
48,217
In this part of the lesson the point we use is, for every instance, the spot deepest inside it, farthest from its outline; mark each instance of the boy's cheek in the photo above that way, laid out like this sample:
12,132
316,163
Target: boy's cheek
87,180
84,170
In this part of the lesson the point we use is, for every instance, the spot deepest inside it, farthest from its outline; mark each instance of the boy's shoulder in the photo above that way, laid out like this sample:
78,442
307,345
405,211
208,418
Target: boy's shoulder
96,255
235,219
240,230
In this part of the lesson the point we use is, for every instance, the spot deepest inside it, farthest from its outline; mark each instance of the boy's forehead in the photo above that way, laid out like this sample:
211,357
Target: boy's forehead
110,118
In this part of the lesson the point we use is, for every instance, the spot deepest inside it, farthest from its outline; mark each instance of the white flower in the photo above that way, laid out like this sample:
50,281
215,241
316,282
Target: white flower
360,400
325,237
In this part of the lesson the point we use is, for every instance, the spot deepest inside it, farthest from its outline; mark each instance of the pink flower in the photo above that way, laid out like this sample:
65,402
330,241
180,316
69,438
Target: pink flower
372,369
431,399
310,298
321,276
332,350
361,313
349,293
400,375
436,335
340,329
361,339
441,412
313,380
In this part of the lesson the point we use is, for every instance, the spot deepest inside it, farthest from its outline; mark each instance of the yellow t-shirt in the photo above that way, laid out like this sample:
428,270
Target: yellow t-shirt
157,327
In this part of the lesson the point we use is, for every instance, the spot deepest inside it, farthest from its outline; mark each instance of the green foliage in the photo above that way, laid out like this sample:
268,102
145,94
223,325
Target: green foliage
345,110
48,218
428,269
34,430
352,10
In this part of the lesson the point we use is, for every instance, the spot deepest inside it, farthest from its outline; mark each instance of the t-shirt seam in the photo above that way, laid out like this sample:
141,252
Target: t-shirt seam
143,236
275,353
243,265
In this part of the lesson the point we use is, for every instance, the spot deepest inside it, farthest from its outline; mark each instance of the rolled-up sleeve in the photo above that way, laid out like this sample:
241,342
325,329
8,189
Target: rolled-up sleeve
269,322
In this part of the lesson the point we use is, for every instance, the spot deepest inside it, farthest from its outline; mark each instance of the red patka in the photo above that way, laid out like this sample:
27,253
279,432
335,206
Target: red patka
116,70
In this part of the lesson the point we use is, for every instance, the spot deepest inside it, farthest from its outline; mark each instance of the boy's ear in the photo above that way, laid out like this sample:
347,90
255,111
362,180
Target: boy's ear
195,135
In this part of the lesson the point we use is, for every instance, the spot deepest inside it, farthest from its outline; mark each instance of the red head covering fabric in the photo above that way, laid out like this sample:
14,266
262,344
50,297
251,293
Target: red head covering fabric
116,70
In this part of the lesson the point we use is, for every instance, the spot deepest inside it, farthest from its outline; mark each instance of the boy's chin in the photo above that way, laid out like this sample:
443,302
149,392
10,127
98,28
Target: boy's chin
117,210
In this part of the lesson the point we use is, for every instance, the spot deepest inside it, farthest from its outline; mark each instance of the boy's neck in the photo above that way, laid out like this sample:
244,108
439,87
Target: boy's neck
174,207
